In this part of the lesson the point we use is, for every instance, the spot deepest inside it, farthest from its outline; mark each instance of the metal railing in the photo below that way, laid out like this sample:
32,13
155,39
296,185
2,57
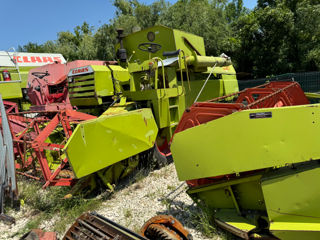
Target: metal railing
309,81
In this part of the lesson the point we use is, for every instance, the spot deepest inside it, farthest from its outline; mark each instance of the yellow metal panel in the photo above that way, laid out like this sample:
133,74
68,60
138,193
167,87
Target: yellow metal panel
120,74
83,89
10,90
196,41
101,142
85,94
236,143
77,84
231,218
297,235
292,199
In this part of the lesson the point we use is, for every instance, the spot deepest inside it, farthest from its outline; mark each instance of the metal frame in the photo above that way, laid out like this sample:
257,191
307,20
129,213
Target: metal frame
31,130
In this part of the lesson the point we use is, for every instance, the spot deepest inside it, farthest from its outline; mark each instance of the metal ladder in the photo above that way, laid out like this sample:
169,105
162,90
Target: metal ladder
173,113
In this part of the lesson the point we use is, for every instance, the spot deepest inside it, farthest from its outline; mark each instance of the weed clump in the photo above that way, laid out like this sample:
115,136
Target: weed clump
51,203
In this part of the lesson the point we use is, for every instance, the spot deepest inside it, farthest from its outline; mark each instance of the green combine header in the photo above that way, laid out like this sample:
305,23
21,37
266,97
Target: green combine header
253,162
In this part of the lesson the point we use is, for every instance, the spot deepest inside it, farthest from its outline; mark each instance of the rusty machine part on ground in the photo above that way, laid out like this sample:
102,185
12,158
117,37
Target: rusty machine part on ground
94,226
165,227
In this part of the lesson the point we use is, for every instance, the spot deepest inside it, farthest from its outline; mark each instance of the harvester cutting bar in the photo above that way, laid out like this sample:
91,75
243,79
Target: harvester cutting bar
41,135
270,95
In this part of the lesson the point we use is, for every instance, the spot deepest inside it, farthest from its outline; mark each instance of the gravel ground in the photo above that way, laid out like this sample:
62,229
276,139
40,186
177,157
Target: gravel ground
158,193
22,218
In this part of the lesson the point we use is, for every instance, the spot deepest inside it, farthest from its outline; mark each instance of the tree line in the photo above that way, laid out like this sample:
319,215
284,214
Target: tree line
277,36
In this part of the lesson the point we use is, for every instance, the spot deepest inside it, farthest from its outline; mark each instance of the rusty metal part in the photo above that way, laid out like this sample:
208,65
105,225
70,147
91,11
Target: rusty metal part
164,227
38,234
94,226
244,234
161,232
11,107
28,175
238,232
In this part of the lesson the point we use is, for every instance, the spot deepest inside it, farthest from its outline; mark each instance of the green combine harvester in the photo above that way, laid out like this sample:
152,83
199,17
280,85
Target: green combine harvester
161,72
14,70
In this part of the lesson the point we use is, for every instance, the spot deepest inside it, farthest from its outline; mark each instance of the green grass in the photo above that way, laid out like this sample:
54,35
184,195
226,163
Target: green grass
203,221
128,213
51,203
171,188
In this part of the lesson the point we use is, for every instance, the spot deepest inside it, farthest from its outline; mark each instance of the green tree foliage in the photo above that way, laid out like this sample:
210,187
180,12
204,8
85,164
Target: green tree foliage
308,35
105,40
277,36
204,18
132,15
77,45
234,10
264,35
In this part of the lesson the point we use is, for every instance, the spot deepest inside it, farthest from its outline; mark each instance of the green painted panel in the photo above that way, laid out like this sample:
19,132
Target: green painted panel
163,36
292,199
214,88
84,94
82,89
103,81
101,142
232,219
218,196
255,143
86,101
181,41
10,90
82,83
297,235
160,102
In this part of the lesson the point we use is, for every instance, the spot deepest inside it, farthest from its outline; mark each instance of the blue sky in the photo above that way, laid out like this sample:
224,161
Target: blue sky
39,20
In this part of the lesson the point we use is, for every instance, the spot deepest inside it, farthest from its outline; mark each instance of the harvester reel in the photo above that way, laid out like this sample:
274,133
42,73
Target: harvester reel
149,47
